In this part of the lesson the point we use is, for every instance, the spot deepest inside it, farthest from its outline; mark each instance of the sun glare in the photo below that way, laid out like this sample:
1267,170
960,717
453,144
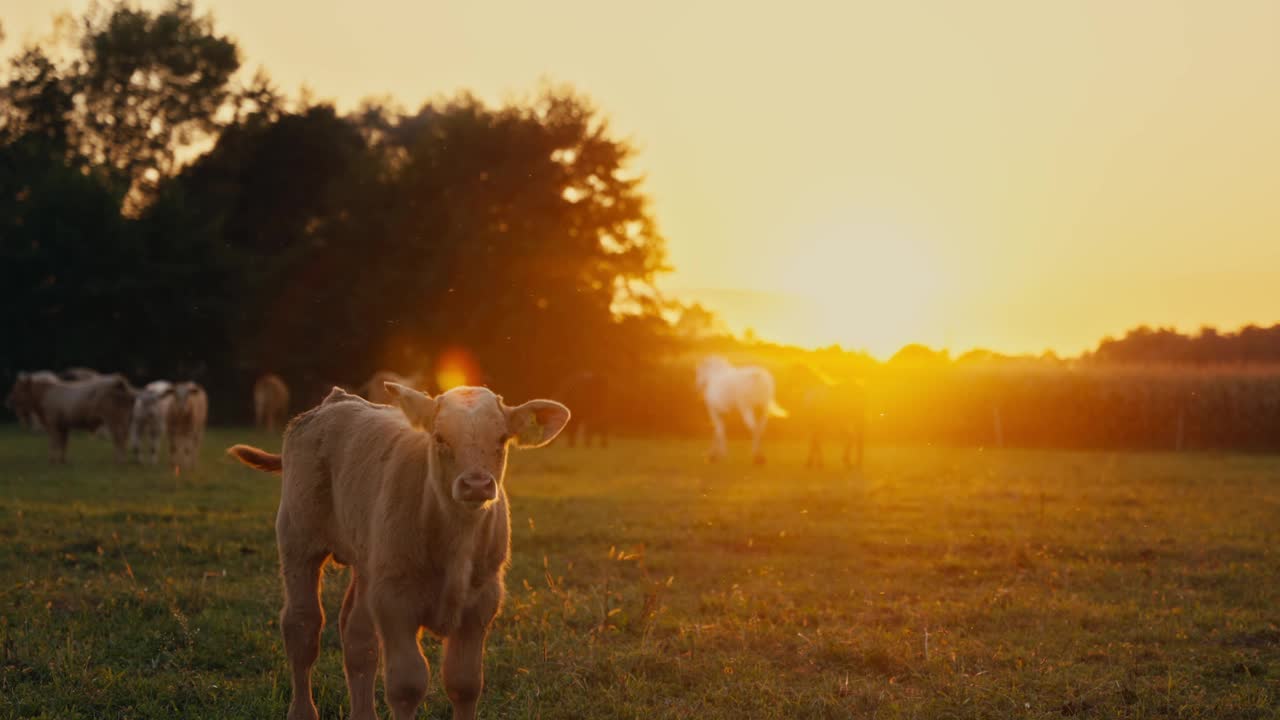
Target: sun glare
875,288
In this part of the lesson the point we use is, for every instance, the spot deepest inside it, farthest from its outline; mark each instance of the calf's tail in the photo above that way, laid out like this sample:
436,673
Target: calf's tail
257,459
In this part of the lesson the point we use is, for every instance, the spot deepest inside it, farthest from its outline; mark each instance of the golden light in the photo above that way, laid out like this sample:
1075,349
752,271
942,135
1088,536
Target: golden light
865,286
455,368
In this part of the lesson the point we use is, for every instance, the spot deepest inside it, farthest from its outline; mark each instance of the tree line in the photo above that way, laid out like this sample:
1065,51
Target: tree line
162,216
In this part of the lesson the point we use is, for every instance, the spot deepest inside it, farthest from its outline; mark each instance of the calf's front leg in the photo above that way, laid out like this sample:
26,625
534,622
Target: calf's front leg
58,443
719,445
404,667
464,667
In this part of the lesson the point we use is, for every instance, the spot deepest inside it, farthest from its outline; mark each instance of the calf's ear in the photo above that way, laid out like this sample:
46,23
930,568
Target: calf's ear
536,422
417,406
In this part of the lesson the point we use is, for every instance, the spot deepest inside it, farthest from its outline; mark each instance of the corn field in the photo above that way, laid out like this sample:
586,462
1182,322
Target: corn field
1023,404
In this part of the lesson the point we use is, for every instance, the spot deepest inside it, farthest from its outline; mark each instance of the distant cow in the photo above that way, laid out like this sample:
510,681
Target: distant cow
589,395
102,401
748,390
413,499
270,402
21,398
374,389
188,413
827,408
79,373
150,418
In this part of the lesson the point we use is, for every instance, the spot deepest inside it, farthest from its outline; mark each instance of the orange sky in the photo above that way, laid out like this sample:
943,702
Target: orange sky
1015,175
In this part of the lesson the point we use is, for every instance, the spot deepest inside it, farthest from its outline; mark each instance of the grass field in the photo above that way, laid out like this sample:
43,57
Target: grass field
942,583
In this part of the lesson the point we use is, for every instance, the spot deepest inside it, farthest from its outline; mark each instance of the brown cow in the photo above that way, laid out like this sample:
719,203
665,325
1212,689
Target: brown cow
374,389
270,402
105,401
413,499
188,413
827,407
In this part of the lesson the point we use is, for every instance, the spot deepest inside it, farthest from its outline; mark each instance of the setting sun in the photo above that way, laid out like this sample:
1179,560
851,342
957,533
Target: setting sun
863,285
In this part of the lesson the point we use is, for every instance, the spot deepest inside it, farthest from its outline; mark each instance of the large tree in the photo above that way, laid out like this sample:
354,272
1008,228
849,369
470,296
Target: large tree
513,233
301,240
140,89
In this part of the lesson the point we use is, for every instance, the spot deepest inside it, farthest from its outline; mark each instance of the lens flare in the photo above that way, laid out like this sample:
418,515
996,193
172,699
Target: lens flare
457,367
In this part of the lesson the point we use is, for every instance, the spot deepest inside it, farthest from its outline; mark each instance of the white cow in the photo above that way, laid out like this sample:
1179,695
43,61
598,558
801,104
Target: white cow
188,414
748,390
150,418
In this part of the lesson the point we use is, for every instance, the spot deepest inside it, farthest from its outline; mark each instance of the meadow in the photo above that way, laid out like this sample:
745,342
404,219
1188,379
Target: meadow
937,583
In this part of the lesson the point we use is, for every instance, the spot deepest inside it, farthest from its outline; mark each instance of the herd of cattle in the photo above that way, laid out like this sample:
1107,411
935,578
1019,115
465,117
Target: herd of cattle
138,421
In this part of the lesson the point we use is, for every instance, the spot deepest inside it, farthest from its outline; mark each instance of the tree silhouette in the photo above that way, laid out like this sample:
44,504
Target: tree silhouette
311,243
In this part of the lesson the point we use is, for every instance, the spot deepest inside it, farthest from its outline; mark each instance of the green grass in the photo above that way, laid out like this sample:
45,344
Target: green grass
943,583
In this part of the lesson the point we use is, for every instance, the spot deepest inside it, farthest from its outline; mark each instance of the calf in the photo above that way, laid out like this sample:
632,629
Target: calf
748,390
105,401
413,498
150,416
270,402
188,413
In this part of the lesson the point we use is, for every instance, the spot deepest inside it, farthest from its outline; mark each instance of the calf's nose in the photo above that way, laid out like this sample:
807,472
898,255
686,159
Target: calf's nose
478,486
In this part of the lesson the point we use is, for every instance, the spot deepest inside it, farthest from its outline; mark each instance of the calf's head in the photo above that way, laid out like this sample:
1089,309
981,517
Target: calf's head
471,429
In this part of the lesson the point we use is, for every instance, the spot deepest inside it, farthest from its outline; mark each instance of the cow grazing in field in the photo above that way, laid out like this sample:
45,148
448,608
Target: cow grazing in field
747,390
413,498
374,389
21,398
270,402
150,418
105,401
188,413
589,395
828,408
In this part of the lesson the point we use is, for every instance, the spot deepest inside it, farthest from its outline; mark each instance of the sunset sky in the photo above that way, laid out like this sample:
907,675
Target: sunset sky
1013,175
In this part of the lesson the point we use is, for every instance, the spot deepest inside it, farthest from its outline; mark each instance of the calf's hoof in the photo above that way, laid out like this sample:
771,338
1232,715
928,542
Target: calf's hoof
758,459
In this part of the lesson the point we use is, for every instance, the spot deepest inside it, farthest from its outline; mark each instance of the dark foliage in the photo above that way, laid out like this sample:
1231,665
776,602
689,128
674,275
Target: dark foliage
305,242
1251,345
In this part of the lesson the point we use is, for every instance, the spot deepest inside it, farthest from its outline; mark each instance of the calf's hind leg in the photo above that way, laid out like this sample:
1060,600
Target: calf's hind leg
301,622
359,649
755,421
